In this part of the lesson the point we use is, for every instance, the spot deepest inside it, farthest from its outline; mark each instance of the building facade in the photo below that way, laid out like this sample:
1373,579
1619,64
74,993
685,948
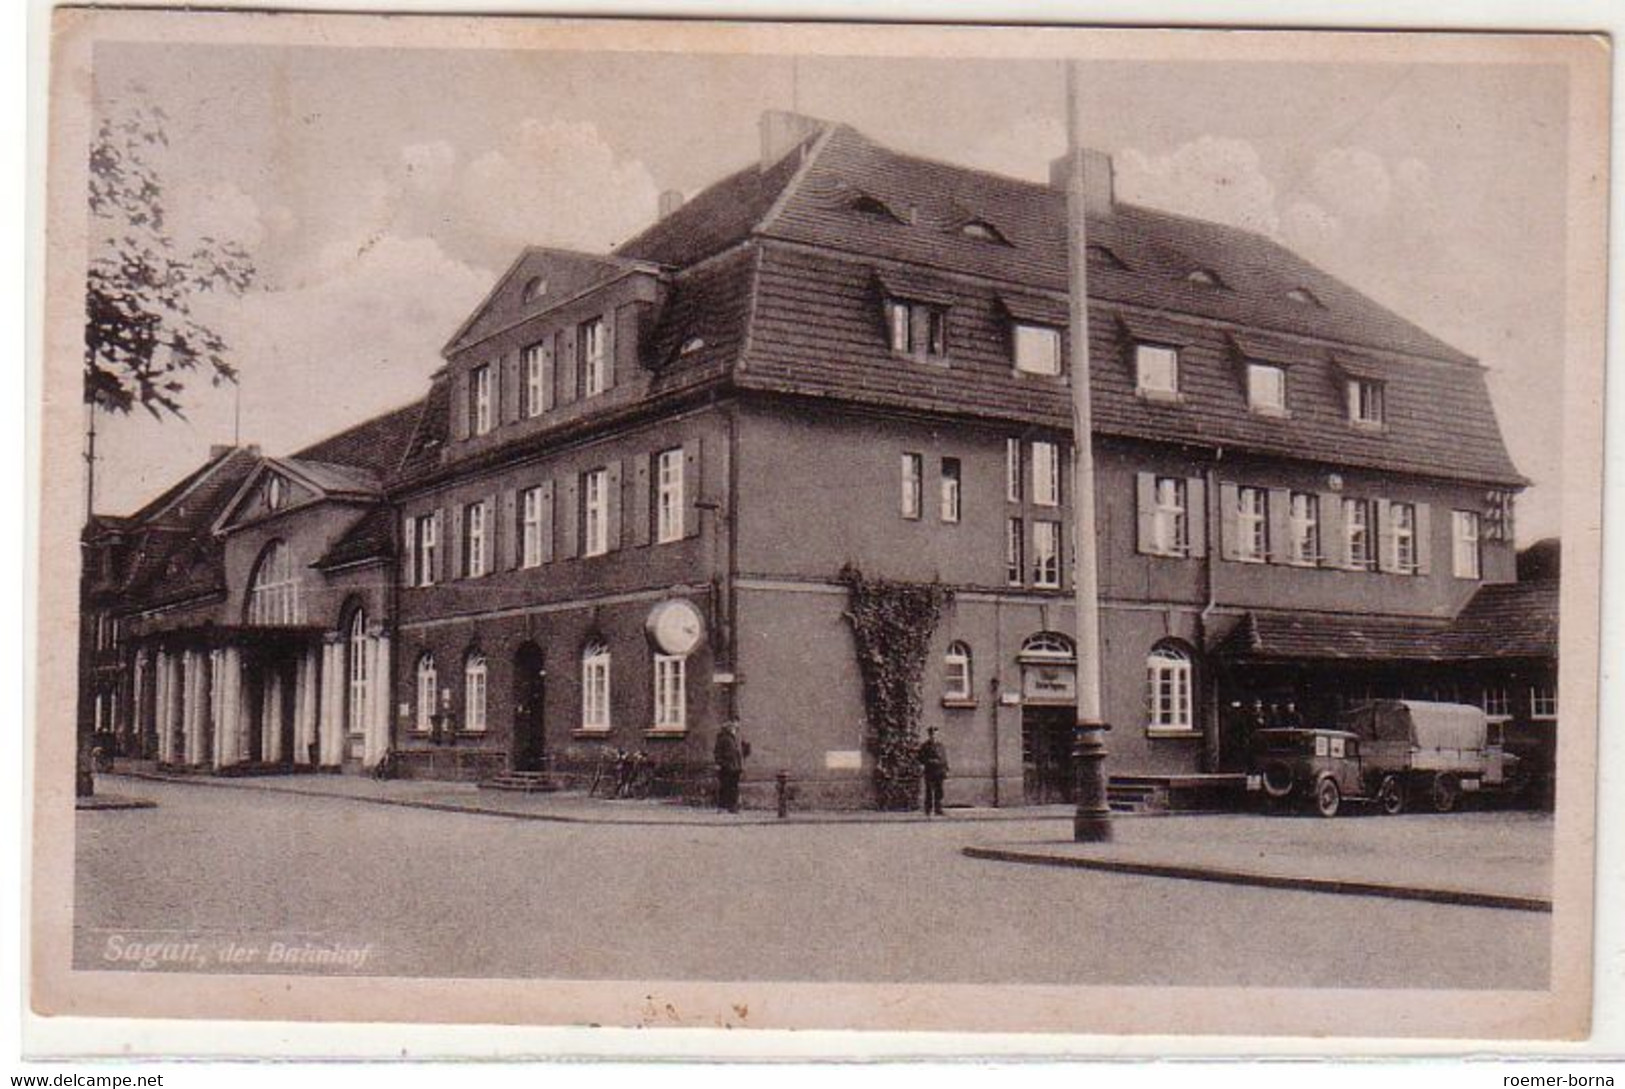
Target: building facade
618,515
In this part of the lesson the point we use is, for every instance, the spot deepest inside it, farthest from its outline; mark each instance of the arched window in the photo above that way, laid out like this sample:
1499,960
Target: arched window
474,693
595,687
535,288
273,592
1049,646
956,673
1168,679
358,669
428,692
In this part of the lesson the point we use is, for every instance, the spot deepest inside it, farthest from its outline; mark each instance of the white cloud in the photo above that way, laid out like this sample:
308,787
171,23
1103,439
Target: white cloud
1213,177
1024,149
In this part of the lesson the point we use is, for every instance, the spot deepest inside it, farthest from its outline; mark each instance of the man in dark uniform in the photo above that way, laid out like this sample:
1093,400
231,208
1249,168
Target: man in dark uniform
934,764
729,754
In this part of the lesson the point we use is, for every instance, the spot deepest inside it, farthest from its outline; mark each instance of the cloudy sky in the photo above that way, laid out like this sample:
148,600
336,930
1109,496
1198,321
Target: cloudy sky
382,191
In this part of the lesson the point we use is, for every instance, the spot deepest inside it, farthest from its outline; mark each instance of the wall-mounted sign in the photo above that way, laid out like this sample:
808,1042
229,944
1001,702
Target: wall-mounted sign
1049,684
843,759
676,626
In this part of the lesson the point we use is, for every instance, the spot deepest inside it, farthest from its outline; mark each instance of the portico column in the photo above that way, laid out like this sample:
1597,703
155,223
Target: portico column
271,731
190,743
332,705
377,724
230,682
160,707
304,715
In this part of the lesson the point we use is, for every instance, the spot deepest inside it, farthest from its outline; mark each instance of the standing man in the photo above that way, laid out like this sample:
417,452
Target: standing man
729,754
934,763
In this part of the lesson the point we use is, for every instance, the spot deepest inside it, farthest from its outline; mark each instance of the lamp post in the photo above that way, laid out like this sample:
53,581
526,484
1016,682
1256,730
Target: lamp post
1091,823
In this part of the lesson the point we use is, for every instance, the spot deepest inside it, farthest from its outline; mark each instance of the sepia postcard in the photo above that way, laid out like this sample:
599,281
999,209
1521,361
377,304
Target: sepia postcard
571,522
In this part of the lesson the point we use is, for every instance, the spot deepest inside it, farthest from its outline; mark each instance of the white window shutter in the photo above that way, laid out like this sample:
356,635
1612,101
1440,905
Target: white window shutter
509,546
570,517
1424,539
1196,515
1228,526
442,546
455,540
1334,545
1280,516
1146,511
1384,514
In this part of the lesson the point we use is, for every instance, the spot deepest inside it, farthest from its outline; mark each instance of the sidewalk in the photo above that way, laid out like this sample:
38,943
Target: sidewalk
564,806
1478,859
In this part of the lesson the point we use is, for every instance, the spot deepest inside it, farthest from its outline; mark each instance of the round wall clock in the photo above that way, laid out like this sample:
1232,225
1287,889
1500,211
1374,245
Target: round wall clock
676,626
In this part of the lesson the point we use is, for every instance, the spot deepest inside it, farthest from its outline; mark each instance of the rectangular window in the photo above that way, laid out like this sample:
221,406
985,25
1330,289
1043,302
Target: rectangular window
1357,533
474,540
530,527
538,378
919,329
1266,389
670,692
1156,370
669,496
1365,402
1014,552
479,400
912,496
1252,525
1038,349
1170,528
1543,702
595,689
950,489
1464,535
1047,554
1404,529
1497,704
424,550
592,357
1304,518
1012,470
595,512
1046,474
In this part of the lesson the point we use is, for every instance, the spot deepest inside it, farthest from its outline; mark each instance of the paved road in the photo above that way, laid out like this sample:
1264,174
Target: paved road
448,894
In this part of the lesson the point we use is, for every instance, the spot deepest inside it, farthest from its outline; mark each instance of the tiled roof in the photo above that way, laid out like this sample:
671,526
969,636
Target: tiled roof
719,216
818,331
334,479
369,537
1159,249
429,432
1511,620
1514,620
376,445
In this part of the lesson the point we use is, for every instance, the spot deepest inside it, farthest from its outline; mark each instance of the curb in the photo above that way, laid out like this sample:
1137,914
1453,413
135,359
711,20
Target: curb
1456,897
765,820
98,803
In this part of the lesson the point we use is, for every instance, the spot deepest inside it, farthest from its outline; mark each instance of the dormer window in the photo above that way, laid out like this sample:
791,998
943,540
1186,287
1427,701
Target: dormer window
1156,371
1106,258
1305,297
691,345
1037,349
535,288
865,205
917,328
1206,277
1266,389
983,230
1365,402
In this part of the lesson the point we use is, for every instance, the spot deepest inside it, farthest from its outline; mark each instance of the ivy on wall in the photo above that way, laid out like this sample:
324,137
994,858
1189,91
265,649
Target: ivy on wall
892,624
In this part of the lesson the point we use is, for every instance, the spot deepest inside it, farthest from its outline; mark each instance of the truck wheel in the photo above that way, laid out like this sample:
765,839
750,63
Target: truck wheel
1446,794
1391,795
1328,799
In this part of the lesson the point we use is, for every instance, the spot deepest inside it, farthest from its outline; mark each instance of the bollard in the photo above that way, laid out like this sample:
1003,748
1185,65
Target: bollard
782,782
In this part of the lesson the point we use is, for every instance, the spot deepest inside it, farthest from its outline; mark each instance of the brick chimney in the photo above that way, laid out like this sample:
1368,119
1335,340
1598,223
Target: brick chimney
783,132
670,201
1099,196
